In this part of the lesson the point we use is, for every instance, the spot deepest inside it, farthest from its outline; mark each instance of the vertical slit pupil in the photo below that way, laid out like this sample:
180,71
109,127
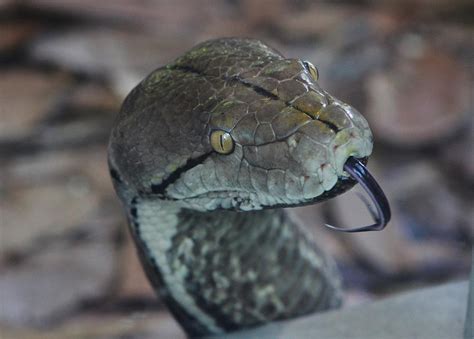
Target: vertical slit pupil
221,141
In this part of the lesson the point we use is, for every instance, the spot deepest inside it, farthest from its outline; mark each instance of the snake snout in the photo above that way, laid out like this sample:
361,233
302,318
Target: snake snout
337,126
353,136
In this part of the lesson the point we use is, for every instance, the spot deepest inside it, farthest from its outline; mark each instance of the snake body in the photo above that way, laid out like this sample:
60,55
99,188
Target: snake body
284,142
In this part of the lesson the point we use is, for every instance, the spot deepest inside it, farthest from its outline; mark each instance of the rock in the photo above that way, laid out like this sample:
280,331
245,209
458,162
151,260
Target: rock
79,115
435,211
458,160
258,14
469,323
44,210
122,57
383,250
313,218
57,279
39,92
58,234
424,9
92,96
16,34
422,100
177,18
51,194
421,240
311,22
133,282
432,207
6,4
429,313
92,325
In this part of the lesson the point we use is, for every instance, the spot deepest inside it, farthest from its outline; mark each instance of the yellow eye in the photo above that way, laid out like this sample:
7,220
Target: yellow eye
222,142
312,70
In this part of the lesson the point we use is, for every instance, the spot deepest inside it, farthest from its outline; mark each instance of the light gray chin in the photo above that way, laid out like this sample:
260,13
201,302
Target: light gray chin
239,201
243,201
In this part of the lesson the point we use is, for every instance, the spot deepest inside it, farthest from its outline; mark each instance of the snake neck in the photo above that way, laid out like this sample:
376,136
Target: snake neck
222,271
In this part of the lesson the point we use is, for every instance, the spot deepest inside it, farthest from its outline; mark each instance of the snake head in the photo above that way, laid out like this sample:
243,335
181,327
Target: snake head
232,124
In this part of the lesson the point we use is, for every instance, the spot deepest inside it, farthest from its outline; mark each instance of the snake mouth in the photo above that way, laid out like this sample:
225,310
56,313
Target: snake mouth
358,173
342,185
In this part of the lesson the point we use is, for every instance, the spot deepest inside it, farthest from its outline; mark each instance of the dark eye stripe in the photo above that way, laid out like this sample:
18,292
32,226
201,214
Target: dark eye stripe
114,174
160,188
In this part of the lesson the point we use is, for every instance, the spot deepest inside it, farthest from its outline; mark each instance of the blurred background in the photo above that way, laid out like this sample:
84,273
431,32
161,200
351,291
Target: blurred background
67,265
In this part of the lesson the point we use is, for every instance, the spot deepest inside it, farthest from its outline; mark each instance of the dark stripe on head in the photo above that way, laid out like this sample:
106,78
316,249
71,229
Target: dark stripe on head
115,176
160,189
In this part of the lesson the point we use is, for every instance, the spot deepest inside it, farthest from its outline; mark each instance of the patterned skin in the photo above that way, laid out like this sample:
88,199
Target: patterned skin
218,269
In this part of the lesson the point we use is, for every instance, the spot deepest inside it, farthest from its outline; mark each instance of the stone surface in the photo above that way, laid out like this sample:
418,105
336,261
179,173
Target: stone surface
106,52
57,279
432,313
313,218
15,34
99,325
423,99
49,195
469,322
133,282
39,92
458,157
420,239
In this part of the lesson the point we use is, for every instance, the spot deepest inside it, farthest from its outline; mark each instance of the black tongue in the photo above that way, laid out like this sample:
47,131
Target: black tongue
357,170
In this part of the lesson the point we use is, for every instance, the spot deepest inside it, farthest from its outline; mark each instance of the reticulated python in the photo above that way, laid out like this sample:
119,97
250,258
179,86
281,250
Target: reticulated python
233,126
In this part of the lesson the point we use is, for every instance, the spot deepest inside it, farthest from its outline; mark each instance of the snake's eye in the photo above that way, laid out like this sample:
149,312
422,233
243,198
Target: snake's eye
311,69
222,142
